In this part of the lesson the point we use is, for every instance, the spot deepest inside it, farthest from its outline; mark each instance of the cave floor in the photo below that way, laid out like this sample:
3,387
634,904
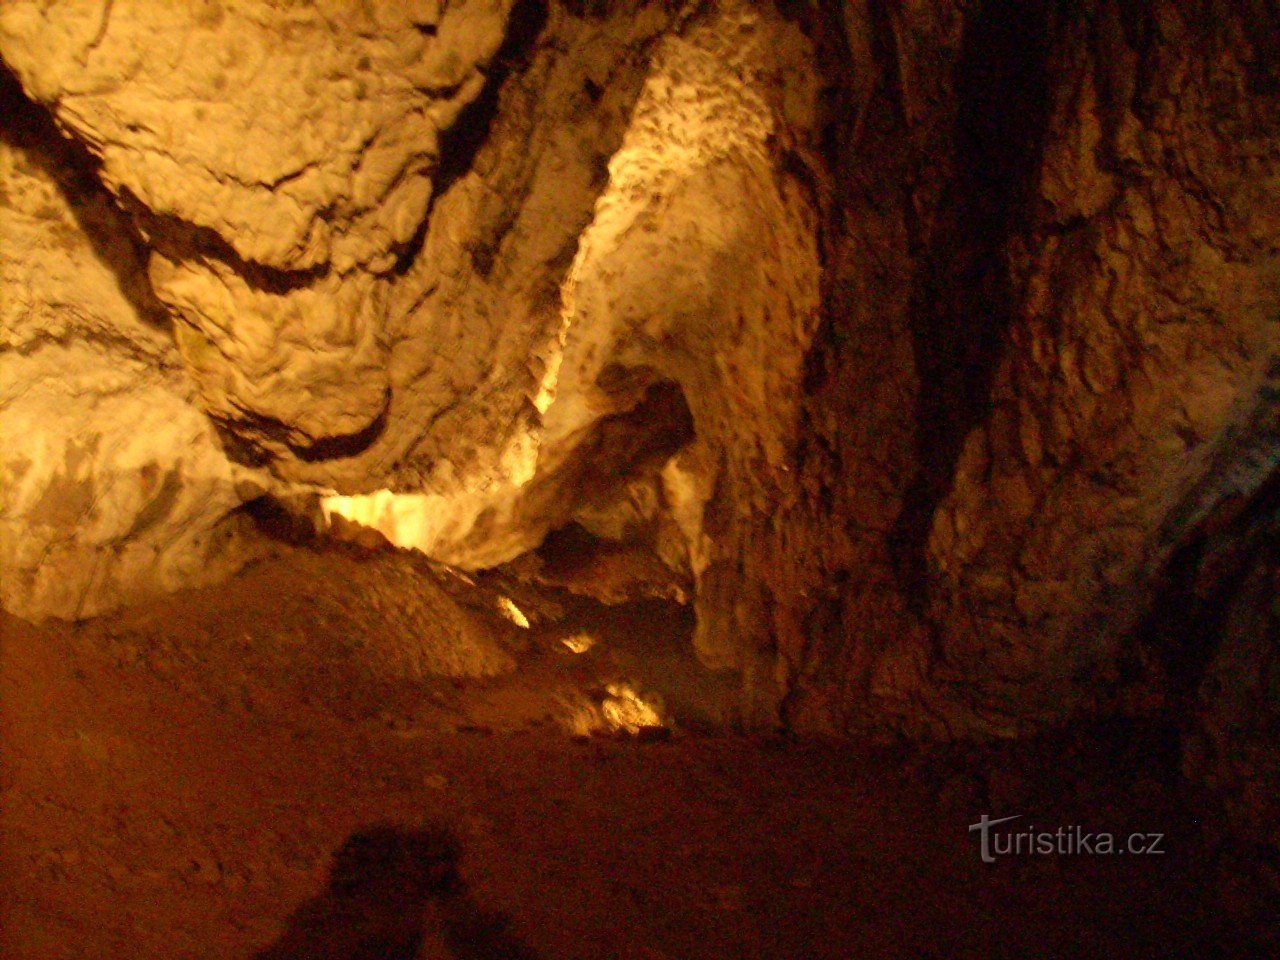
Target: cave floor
174,799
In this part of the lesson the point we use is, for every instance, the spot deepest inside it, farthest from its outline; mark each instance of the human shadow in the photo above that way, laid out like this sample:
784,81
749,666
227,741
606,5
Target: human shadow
396,894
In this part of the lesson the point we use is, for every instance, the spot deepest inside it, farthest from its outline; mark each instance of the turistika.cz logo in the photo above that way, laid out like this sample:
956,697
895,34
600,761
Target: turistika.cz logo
1064,841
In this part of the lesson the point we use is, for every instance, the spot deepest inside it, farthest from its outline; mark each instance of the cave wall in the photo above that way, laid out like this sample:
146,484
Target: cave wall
112,481
1145,341
922,337
1046,359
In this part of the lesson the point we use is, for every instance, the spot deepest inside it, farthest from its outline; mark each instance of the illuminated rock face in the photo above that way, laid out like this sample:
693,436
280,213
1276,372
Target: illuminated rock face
919,337
281,158
112,482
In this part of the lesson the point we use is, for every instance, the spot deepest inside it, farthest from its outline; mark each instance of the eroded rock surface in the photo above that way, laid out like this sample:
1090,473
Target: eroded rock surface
112,481
921,338
1138,286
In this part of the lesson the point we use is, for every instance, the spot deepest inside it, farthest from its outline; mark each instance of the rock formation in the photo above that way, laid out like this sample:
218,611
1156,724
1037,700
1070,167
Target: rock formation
112,481
927,339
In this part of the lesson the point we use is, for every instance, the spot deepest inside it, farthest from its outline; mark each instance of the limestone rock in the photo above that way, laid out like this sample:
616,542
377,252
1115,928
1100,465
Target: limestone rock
281,158
112,482
1144,334
920,337
303,135
1041,360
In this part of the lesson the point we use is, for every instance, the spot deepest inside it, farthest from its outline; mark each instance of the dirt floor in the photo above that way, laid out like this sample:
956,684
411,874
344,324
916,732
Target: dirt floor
246,773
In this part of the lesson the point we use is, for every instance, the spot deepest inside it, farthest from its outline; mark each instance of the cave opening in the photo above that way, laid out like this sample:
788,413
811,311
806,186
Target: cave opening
648,479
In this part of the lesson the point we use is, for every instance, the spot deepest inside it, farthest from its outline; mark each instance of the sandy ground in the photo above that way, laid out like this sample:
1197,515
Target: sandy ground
178,783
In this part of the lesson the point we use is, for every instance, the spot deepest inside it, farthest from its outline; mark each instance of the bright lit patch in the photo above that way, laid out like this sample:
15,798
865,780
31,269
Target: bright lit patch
579,642
551,375
624,709
434,523
621,711
403,518
520,458
513,613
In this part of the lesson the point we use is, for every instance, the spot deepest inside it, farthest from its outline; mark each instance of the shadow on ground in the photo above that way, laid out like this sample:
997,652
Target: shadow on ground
395,894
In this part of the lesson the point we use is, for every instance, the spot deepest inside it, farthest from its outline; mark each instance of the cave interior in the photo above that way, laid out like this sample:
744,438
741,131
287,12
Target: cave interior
646,479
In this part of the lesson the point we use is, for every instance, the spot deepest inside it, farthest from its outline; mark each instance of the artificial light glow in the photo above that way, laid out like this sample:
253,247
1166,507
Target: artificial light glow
621,711
403,518
579,642
433,523
624,709
509,610
551,374
520,458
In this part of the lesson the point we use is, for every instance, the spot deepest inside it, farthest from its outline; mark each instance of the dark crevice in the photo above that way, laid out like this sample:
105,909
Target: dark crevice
835,148
461,143
31,129
273,431
624,446
348,445
588,9
114,341
1261,21
123,231
966,295
885,50
1193,595
292,522
186,242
